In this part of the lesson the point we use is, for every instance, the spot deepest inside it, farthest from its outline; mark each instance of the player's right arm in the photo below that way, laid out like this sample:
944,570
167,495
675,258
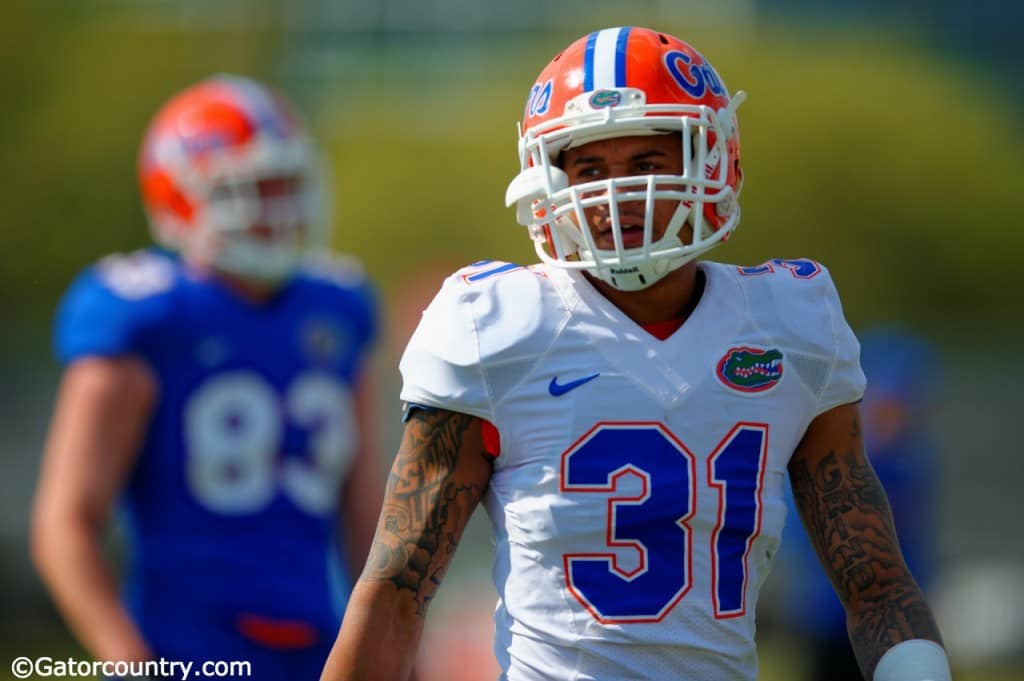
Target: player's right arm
99,420
438,477
104,403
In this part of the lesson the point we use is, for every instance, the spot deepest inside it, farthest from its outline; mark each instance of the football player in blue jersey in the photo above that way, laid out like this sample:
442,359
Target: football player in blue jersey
217,393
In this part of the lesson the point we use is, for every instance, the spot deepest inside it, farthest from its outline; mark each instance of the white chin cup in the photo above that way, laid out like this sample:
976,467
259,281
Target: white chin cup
255,261
225,241
637,277
643,273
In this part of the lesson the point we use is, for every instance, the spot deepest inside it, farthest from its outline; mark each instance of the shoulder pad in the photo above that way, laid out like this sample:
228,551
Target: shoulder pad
138,275
797,300
110,307
334,268
491,321
515,309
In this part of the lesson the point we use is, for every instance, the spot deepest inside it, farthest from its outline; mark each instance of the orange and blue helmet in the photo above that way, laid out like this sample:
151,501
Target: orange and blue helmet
228,176
621,82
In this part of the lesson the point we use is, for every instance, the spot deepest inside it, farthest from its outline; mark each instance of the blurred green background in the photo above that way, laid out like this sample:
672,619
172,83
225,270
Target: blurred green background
882,141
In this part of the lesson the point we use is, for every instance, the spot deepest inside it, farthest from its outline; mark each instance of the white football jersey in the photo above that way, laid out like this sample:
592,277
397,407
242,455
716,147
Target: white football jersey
637,499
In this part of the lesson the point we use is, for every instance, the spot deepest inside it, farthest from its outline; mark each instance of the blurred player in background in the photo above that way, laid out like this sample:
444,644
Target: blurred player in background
219,392
902,370
628,414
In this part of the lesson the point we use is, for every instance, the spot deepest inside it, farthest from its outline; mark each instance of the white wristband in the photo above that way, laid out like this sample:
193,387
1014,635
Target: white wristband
914,660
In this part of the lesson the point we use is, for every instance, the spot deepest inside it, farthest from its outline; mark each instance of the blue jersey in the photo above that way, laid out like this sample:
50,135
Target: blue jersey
231,506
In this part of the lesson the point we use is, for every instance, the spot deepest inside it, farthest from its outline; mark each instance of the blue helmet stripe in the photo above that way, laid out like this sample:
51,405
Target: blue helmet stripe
620,57
588,62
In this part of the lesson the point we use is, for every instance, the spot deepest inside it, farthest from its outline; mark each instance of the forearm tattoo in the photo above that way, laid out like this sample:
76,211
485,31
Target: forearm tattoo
847,516
426,507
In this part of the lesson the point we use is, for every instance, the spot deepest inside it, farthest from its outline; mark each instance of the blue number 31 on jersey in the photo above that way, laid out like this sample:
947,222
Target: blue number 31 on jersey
655,521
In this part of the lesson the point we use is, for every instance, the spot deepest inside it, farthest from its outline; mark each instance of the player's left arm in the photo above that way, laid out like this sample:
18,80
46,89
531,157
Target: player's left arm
846,514
363,490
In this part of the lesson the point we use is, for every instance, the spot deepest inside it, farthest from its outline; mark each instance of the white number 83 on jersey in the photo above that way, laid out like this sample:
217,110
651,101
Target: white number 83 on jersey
234,435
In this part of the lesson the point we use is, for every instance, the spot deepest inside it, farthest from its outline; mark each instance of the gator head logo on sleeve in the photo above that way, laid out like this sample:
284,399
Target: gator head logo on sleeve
750,370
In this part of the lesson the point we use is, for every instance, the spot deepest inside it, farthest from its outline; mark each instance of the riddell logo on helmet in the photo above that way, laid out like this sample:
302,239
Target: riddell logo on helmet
602,99
625,270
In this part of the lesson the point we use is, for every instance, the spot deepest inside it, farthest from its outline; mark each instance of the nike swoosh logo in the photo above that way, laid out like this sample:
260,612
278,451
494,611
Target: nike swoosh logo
556,388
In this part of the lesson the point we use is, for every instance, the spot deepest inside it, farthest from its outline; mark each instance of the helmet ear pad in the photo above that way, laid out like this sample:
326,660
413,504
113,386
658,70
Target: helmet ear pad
170,211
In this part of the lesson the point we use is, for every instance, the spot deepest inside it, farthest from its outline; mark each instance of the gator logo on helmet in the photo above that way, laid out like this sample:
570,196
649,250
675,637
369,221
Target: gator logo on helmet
750,370
603,99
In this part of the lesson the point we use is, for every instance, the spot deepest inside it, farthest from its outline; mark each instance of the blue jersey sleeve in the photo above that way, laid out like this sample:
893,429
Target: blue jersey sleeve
109,307
367,322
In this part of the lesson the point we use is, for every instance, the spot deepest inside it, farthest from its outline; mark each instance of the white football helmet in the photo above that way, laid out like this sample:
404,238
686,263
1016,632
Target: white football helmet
230,178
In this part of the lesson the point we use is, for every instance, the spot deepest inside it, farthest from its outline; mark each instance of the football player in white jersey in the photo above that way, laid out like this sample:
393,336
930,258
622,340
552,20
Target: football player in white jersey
628,414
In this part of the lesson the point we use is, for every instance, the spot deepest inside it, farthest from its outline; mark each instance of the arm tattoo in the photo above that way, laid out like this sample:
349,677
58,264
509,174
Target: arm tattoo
426,506
847,516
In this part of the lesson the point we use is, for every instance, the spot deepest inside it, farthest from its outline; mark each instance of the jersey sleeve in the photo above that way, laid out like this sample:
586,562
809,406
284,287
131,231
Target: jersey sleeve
845,381
441,366
108,308
362,310
361,314
347,282
370,322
